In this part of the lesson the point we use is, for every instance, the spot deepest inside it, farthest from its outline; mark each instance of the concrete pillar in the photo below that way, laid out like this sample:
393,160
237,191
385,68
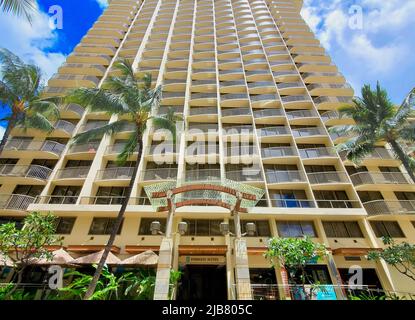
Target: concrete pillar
162,288
230,278
243,281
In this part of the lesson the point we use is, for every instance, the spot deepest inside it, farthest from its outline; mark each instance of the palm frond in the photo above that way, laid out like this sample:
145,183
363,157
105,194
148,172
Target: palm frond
47,108
7,96
19,7
35,121
356,148
129,148
97,133
405,110
167,124
408,133
126,68
98,100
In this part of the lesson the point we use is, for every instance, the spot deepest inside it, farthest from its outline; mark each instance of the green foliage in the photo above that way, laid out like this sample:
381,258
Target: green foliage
399,255
294,253
29,242
378,120
129,97
19,8
21,91
367,296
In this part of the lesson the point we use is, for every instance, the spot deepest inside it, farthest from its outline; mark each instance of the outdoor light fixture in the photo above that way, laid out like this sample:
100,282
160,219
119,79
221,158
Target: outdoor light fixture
224,228
250,228
155,228
182,228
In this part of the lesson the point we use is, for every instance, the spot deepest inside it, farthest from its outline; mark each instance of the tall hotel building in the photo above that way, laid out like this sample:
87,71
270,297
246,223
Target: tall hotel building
250,68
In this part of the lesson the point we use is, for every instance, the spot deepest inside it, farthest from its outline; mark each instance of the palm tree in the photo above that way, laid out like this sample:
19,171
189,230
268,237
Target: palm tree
378,120
133,100
19,7
21,90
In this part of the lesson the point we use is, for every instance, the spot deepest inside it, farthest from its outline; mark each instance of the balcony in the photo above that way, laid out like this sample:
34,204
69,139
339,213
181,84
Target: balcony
231,99
315,153
278,152
245,175
292,203
330,177
72,173
389,207
43,149
268,115
232,86
203,99
377,154
160,174
284,177
176,98
236,115
259,87
291,88
34,172
15,202
72,111
273,134
338,204
203,113
265,100
65,127
301,114
303,134
324,89
238,130
326,103
84,151
116,173
59,200
202,175
161,152
86,69
323,77
298,100
196,129
388,178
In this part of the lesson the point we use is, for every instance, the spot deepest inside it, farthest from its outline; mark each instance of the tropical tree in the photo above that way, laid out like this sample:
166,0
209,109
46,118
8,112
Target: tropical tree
134,101
21,92
378,120
294,254
399,255
21,246
19,7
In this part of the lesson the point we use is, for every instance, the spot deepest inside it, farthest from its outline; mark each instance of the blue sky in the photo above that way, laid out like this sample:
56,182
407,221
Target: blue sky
380,49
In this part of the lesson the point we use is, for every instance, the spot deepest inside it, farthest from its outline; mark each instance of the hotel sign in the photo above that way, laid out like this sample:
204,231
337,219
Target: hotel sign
214,260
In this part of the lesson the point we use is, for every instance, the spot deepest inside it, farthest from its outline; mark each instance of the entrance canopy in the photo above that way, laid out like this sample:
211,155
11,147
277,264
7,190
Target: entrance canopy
210,193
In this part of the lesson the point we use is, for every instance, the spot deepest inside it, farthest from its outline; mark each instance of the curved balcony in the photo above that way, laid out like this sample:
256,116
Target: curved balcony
323,77
84,151
274,134
76,57
377,154
203,99
300,116
325,103
329,177
72,111
85,69
229,75
238,130
286,75
42,149
74,176
318,154
257,75
203,85
66,127
104,49
309,134
25,173
291,88
160,174
202,175
324,89
174,84
259,87
245,175
265,101
333,117
115,149
389,207
203,113
114,176
176,98
298,100
230,99
316,67
281,154
236,115
285,177
381,178
232,86
15,202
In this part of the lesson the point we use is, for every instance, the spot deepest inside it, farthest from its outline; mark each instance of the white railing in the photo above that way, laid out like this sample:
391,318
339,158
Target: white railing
119,173
73,173
380,207
327,177
31,171
17,202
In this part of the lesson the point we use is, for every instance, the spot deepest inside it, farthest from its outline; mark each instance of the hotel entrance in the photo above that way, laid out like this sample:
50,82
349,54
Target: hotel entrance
203,278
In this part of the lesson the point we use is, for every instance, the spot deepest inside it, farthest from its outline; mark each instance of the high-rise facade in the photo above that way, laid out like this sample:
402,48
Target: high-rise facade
250,69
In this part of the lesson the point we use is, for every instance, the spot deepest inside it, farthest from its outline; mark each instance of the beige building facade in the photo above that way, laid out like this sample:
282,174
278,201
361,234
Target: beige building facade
248,71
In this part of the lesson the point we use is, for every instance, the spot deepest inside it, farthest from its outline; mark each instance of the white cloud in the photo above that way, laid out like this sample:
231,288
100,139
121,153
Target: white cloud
102,3
2,130
31,42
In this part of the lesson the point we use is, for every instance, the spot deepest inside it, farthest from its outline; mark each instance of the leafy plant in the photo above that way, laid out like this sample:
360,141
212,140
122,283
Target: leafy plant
367,296
399,255
19,7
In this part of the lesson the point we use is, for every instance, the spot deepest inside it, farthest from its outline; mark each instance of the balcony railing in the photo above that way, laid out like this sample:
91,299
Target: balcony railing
203,111
327,177
117,173
323,152
287,99
73,173
292,203
264,97
346,204
34,145
301,114
380,178
244,175
31,171
273,131
73,107
91,147
160,174
236,112
18,202
289,176
242,129
323,99
389,207
116,149
278,152
378,153
66,126
307,132
202,175
54,199
205,127
258,114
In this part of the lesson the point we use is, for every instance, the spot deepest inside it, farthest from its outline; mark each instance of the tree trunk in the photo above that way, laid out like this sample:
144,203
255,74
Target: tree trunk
97,274
9,128
16,286
403,157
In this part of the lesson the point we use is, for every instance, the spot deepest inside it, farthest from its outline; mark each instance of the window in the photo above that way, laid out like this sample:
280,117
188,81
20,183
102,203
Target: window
64,225
145,224
103,226
342,229
44,163
17,220
203,227
65,194
28,190
387,229
295,229
289,198
110,195
262,227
